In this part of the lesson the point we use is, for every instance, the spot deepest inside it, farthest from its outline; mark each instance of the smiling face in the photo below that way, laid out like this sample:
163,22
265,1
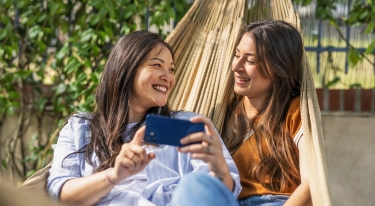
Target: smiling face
248,80
153,81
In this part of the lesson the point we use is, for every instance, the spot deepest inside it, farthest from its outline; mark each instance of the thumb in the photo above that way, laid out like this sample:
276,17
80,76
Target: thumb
151,156
138,137
210,128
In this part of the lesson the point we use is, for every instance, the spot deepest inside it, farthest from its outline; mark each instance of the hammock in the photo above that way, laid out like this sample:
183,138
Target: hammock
204,42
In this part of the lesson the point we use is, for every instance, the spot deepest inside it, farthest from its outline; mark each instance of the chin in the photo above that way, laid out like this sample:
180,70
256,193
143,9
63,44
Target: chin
239,92
160,103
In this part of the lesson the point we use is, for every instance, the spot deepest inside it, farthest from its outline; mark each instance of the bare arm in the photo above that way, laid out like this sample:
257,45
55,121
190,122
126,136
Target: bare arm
89,190
301,196
85,190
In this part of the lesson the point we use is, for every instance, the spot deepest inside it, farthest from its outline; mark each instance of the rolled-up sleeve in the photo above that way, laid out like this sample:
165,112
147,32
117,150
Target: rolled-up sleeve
233,171
66,162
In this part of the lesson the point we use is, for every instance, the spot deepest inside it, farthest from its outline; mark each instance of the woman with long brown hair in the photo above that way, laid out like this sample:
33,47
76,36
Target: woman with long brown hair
101,158
263,128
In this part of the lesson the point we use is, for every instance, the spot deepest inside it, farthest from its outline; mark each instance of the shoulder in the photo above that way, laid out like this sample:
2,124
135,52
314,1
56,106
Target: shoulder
293,118
80,118
76,130
294,106
184,115
78,122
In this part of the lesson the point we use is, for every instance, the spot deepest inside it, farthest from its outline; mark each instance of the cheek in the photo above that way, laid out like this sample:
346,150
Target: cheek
253,72
147,78
267,84
173,82
234,62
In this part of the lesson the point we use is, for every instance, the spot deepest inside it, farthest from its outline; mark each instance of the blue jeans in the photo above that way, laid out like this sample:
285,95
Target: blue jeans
264,200
200,189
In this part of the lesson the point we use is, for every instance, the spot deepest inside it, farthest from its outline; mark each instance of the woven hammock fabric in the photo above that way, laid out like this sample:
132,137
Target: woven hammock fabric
204,45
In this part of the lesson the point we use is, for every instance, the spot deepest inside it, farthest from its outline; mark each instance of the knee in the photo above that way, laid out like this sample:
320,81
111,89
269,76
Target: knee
195,179
203,189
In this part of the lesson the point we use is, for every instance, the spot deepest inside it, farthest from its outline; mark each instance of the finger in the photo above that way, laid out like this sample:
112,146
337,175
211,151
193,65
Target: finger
140,151
127,163
210,128
197,137
196,148
151,156
146,161
140,156
202,156
137,149
148,158
138,137
126,150
138,162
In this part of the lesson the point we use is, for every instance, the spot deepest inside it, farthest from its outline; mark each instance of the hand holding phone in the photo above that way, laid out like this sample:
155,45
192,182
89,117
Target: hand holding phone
169,131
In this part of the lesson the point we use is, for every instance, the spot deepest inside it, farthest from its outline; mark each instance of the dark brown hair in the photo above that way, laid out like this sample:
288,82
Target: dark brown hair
109,120
279,48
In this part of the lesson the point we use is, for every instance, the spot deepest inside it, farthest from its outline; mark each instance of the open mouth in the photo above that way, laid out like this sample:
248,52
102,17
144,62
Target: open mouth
243,79
160,88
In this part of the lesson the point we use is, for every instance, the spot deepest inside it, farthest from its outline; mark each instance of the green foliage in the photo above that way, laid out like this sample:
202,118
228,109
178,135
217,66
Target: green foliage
362,13
354,57
355,86
302,2
52,52
333,82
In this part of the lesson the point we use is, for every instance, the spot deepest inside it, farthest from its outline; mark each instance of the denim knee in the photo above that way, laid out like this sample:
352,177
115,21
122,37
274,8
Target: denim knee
203,179
201,189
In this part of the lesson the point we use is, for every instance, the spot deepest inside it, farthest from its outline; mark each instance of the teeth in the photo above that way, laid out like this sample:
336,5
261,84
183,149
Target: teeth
243,79
160,88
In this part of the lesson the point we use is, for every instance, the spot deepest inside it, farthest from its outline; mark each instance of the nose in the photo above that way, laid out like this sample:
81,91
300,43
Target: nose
237,64
167,76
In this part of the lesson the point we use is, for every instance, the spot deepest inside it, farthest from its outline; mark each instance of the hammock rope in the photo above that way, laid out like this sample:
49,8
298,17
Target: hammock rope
204,42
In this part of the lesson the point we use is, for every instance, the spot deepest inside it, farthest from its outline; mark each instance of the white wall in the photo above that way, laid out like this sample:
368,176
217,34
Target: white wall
350,155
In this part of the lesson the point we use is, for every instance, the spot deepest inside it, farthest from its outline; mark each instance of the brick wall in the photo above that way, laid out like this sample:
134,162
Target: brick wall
351,100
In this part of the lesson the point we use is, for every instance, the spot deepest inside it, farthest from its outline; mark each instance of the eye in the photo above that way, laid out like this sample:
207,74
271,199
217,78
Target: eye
172,70
250,62
157,65
237,56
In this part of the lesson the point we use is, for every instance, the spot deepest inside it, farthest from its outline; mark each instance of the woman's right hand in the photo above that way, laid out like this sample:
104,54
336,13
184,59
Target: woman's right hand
209,151
131,159
88,190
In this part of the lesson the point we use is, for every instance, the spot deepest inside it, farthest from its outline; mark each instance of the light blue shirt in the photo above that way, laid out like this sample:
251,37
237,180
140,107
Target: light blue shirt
153,185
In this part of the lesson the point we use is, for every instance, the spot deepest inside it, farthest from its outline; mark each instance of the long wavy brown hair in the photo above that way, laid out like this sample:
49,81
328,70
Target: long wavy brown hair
279,49
111,116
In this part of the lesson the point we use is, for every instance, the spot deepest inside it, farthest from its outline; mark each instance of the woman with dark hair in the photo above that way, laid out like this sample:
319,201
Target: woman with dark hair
263,128
101,159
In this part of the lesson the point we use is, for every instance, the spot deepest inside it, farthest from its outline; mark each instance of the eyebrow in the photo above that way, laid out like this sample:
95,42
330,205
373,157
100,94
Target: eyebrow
158,59
247,54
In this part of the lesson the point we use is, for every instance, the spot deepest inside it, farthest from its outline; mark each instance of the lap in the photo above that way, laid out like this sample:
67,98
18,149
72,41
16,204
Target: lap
200,190
264,200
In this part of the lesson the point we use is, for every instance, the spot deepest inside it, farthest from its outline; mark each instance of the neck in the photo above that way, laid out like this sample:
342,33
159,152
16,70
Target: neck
136,113
253,106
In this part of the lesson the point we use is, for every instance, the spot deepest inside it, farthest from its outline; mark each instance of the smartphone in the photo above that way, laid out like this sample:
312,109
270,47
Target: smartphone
169,131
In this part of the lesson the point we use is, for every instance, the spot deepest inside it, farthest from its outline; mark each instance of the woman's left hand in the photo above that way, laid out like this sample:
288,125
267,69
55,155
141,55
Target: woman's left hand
210,150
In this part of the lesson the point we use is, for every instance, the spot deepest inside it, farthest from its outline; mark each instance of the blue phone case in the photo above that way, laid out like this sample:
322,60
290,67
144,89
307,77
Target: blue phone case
169,131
